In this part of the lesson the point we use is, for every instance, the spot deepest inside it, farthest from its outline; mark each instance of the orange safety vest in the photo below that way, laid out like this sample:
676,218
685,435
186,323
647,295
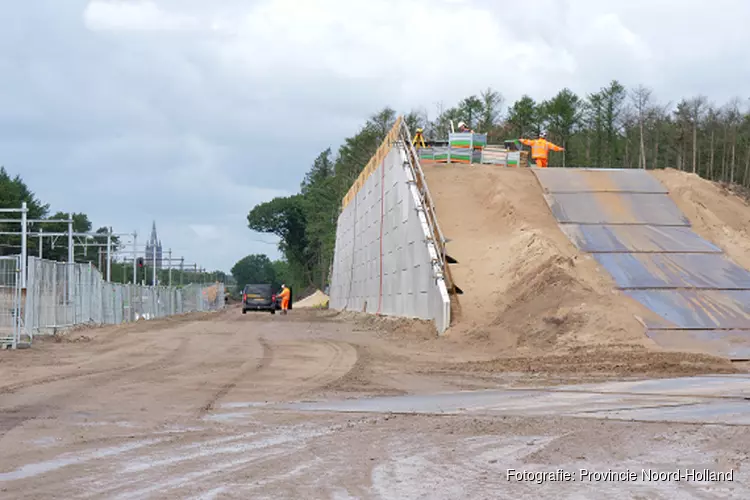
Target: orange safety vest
540,147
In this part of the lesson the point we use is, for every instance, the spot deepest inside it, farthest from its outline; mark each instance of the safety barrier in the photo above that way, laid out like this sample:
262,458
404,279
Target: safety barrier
390,256
61,295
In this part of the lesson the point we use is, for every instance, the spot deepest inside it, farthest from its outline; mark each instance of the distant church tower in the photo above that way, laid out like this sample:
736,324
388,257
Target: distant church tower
153,245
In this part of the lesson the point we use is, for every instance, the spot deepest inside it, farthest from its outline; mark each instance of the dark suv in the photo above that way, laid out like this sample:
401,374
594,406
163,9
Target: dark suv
258,298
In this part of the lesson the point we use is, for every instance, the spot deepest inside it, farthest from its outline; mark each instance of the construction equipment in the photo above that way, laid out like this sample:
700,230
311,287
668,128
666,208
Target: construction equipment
418,140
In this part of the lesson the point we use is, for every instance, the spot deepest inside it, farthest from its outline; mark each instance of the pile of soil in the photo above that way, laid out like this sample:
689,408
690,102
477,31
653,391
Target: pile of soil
526,286
715,212
316,300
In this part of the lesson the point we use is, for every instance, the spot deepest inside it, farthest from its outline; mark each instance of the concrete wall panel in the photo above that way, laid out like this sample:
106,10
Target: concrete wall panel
411,285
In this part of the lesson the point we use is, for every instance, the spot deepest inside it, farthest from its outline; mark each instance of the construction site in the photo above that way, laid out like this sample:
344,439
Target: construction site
570,325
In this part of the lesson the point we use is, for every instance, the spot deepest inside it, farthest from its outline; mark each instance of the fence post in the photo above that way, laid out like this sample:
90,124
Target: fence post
54,294
24,229
30,303
109,255
135,258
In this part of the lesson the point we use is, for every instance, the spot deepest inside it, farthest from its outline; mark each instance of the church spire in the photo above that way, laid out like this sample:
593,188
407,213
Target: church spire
154,238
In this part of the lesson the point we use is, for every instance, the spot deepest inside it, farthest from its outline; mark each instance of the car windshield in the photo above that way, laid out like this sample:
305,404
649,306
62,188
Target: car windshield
263,290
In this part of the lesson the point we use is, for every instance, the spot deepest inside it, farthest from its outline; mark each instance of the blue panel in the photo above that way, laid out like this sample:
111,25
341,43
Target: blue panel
603,238
615,208
578,180
696,309
636,232
732,344
659,270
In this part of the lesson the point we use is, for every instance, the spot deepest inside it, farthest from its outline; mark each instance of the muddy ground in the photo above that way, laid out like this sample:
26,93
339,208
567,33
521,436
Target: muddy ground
178,408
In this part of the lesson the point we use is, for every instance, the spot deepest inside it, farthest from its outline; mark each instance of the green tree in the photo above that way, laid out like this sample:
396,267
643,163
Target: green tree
614,96
13,192
523,118
254,269
321,206
470,111
595,129
353,155
441,127
382,122
283,273
414,120
285,217
489,115
56,247
563,114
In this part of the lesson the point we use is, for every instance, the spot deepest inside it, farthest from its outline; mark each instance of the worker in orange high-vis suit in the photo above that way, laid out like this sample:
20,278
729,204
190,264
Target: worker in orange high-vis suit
540,149
285,296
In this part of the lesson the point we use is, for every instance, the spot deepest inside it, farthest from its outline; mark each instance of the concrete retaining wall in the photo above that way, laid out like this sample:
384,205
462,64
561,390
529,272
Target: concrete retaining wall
383,262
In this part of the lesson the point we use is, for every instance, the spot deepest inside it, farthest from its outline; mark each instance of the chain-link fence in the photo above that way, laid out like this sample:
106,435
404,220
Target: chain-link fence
10,302
60,295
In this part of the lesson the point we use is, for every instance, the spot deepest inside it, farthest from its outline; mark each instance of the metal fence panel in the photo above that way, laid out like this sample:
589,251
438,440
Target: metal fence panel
10,302
61,295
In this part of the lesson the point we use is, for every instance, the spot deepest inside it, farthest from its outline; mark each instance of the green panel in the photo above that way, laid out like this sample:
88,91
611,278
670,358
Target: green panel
480,140
461,154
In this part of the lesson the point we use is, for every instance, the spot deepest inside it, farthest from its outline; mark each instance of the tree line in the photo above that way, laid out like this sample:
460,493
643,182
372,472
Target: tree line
259,269
14,191
612,127
618,127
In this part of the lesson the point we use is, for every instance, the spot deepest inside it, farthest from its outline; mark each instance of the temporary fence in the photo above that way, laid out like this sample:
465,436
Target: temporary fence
10,301
60,295
495,155
467,140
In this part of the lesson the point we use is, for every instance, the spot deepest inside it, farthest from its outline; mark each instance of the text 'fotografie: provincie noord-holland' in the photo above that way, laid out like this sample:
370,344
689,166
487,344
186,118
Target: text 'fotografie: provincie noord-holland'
648,475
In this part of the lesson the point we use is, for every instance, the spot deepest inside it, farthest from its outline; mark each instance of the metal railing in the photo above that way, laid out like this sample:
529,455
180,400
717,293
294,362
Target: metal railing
405,142
61,295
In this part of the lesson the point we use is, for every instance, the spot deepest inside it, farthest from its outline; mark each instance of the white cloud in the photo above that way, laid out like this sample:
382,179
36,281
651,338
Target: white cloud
137,15
190,112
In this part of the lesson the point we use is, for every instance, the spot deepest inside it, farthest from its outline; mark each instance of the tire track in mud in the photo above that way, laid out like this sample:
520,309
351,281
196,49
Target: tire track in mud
124,369
140,346
335,360
322,358
264,362
12,417
280,364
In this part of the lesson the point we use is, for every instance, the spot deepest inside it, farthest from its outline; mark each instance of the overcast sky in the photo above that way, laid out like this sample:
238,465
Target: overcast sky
190,112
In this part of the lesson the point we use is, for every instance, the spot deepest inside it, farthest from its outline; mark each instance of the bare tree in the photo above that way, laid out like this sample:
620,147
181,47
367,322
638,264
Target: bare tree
641,99
658,115
697,106
712,120
733,119
628,122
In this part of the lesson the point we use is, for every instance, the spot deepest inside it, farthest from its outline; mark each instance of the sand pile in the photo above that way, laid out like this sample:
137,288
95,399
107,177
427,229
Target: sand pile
211,293
317,299
717,214
526,286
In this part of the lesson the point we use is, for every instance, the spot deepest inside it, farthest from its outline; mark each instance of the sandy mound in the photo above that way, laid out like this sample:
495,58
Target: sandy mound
318,299
526,286
717,214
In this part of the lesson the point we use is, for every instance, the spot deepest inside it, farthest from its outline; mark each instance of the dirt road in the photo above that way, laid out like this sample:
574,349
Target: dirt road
184,408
